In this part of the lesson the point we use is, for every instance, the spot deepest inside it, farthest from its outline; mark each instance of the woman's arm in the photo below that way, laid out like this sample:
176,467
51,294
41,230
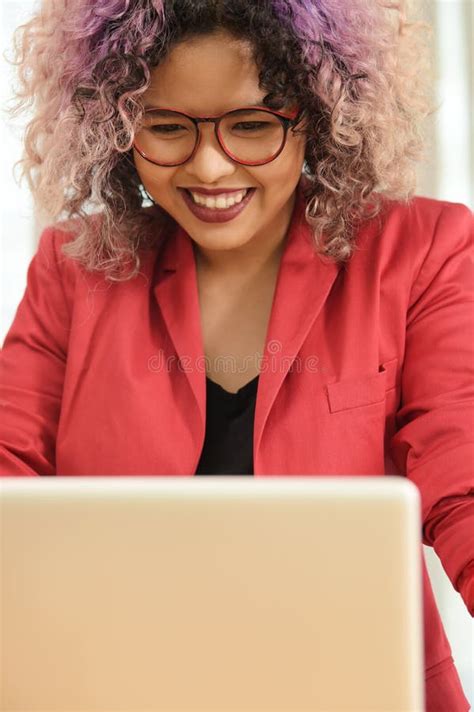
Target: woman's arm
449,529
32,368
434,441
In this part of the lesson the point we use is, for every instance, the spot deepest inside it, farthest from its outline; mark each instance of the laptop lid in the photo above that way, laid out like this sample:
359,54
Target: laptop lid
215,594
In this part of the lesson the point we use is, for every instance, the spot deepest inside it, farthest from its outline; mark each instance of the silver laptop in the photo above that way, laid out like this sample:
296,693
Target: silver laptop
220,594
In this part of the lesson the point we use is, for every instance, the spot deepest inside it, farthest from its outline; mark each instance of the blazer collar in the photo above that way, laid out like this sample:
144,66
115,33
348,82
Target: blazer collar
303,284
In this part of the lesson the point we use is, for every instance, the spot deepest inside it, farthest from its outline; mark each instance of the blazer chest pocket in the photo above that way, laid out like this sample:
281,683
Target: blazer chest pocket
362,391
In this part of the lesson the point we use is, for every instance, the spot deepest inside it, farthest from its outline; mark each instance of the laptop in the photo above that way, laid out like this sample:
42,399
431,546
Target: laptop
222,594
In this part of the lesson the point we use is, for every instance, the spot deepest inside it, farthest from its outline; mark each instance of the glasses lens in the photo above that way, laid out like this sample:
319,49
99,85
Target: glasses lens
252,136
166,137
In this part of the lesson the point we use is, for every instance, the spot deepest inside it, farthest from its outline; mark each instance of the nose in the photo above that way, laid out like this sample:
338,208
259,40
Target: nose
210,162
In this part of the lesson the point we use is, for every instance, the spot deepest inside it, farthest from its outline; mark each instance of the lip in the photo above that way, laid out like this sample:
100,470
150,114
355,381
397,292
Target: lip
215,215
214,191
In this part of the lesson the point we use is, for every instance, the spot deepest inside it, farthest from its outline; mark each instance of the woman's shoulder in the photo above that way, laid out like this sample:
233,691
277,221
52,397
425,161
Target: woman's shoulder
56,236
66,230
417,224
423,213
409,242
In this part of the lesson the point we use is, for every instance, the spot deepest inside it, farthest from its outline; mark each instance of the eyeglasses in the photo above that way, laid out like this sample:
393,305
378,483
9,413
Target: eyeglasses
251,136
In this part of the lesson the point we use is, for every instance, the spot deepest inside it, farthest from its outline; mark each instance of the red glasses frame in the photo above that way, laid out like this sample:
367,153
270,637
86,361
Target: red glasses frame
286,119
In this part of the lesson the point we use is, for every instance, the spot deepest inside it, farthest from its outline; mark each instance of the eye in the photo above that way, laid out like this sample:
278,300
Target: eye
251,125
166,128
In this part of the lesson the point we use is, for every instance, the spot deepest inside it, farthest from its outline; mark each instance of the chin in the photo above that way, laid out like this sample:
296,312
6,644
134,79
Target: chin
217,242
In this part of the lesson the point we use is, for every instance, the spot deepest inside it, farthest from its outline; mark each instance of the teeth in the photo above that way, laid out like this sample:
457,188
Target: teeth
220,201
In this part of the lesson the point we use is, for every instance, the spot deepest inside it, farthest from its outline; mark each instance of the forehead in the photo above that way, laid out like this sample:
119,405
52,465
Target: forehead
214,73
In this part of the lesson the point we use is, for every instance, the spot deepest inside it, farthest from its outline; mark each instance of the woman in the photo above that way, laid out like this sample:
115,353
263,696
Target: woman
312,317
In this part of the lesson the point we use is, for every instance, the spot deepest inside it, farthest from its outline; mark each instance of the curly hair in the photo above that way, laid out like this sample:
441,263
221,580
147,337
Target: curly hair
360,71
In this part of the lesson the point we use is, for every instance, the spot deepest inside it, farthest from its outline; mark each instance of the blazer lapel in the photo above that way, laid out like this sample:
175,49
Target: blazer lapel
176,291
303,284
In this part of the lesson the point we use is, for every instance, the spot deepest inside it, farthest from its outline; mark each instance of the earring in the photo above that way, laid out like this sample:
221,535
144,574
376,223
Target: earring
149,196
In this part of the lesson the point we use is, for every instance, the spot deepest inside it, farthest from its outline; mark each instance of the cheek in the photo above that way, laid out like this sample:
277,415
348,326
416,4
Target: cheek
298,147
149,173
288,166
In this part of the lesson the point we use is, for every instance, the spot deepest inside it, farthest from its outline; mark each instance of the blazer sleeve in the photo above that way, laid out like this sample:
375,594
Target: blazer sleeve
32,368
447,518
433,444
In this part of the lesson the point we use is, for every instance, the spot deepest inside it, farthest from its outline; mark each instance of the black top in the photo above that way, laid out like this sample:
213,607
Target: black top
228,443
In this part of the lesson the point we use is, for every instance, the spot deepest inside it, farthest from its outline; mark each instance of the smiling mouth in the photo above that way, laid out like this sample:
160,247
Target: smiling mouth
222,201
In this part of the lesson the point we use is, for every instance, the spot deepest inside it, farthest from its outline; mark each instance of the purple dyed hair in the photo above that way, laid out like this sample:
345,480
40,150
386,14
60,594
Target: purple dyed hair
360,70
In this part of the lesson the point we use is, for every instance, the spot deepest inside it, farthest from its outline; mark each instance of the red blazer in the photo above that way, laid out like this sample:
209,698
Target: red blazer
368,370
